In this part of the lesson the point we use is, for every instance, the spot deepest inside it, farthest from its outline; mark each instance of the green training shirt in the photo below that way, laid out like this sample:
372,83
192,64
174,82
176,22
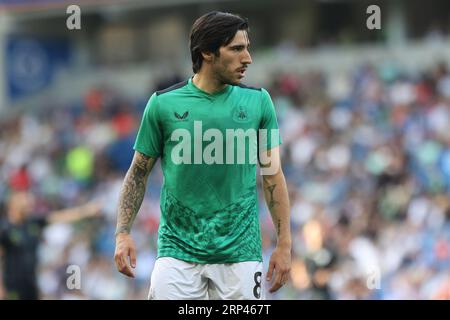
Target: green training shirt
209,201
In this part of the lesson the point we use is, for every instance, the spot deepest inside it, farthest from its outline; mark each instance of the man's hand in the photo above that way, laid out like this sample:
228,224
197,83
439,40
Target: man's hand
125,255
280,262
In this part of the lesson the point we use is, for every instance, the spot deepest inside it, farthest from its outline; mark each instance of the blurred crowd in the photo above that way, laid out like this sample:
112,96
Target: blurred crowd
367,159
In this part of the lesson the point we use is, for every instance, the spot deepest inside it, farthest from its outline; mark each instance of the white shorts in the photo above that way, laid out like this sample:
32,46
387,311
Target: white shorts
174,279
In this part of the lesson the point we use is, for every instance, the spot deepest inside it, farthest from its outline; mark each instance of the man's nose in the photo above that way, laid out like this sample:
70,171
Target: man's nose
247,58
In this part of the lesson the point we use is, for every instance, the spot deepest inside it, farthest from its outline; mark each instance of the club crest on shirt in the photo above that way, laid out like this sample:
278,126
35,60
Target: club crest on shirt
240,114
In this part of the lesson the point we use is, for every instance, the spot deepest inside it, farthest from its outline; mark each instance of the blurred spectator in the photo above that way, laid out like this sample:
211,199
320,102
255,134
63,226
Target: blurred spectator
20,234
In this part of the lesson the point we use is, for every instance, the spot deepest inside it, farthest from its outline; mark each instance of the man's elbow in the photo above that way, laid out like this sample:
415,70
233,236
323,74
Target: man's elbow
273,175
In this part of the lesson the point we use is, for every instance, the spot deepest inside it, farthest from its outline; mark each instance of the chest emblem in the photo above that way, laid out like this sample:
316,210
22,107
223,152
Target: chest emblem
241,115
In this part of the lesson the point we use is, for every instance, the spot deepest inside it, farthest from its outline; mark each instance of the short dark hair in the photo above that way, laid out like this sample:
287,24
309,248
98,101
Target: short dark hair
210,32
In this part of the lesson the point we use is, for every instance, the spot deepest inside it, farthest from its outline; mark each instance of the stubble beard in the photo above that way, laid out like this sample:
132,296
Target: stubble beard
225,77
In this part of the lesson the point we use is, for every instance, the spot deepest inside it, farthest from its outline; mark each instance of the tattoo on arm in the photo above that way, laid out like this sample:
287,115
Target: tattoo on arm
133,191
279,227
272,201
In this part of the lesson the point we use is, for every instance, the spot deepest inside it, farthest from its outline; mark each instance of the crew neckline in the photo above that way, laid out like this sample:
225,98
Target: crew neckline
215,94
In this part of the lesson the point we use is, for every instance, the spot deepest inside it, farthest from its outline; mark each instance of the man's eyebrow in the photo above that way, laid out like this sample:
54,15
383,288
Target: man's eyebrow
240,45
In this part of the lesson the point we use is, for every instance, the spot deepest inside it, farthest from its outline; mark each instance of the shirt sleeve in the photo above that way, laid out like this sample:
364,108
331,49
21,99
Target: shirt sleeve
272,138
149,139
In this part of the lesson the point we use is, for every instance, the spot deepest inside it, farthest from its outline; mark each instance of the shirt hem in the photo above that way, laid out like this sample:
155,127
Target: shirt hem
209,261
148,154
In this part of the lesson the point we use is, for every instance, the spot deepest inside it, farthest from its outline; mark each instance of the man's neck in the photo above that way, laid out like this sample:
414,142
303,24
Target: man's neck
206,82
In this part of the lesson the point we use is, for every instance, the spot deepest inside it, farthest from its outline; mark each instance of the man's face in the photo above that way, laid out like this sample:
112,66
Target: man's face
20,203
229,67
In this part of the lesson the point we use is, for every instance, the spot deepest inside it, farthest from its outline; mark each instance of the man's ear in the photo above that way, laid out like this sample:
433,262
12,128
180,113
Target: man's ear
208,56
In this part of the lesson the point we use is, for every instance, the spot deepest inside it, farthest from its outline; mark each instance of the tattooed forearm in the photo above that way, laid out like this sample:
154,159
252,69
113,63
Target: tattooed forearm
271,188
133,191
277,199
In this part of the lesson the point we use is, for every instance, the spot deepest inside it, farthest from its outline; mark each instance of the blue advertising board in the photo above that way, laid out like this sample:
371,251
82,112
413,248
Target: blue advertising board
32,63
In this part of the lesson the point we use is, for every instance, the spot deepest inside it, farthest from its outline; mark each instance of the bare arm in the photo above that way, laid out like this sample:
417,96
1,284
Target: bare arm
133,191
74,214
277,200
130,200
